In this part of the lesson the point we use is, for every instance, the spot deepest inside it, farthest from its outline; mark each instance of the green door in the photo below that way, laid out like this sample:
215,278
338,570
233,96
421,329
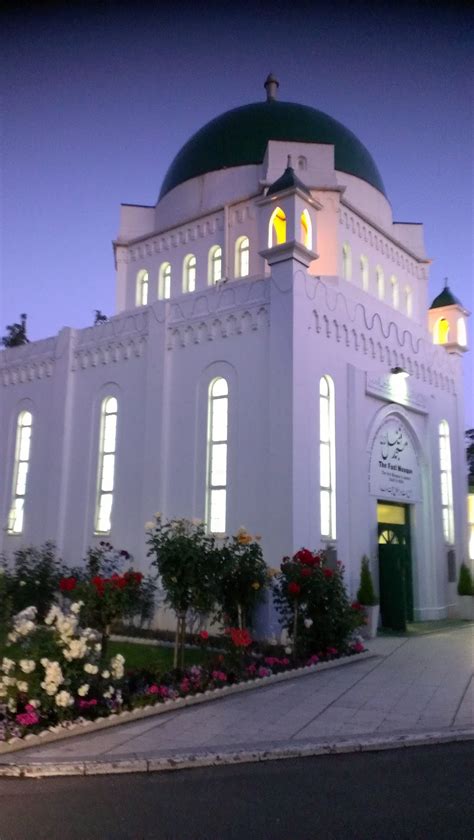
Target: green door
396,592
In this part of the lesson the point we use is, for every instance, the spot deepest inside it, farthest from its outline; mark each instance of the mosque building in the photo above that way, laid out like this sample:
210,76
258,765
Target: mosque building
273,362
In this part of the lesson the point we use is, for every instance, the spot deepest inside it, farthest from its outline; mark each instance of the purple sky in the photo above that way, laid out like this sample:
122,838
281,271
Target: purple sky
96,103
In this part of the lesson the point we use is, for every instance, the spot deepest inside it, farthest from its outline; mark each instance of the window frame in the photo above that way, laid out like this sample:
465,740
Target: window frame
327,445
24,421
242,246
164,281
189,273
211,486
142,287
101,493
215,258
446,482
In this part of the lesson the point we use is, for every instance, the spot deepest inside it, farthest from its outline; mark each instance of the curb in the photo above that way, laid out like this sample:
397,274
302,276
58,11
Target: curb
207,759
85,727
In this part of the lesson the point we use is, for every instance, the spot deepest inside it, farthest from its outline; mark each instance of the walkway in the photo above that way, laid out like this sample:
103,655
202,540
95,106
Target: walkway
414,685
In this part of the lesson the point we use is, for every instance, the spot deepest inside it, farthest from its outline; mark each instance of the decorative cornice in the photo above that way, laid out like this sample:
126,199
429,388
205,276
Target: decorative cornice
218,326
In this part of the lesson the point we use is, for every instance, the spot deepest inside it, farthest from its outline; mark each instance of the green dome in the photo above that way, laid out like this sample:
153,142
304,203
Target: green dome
239,137
445,298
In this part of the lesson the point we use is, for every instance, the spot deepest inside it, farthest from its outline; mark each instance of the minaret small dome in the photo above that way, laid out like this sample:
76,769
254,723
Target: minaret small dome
445,298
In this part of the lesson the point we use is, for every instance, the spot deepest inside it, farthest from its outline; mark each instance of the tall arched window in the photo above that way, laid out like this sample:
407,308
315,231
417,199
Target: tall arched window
242,257
306,234
346,261
408,301
461,330
189,273
446,482
164,281
216,495
364,273
142,288
441,331
380,282
106,466
215,265
20,472
395,292
327,458
277,228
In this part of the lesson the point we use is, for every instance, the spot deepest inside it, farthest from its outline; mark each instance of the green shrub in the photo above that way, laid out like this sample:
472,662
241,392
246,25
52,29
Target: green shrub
32,578
366,592
465,586
312,601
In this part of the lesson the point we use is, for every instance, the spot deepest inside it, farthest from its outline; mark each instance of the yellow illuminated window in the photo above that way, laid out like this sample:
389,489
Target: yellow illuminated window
306,230
20,472
277,228
390,514
441,331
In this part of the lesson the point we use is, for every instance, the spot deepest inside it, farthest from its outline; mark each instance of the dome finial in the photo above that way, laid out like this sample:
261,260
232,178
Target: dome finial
289,164
271,86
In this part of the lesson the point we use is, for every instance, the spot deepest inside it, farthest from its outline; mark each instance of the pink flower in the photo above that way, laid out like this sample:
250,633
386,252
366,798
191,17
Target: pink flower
153,689
204,635
331,651
313,659
252,669
27,718
284,661
264,672
358,647
219,676
85,704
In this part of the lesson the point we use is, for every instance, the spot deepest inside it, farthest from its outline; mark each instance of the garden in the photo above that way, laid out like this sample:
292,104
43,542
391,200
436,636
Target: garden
60,662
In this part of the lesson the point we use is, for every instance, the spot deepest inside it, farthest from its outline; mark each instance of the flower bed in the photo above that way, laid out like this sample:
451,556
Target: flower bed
56,676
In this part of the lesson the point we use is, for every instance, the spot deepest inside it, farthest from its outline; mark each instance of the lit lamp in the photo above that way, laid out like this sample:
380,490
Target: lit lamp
399,371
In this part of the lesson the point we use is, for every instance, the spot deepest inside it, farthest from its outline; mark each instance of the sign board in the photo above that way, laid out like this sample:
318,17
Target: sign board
394,468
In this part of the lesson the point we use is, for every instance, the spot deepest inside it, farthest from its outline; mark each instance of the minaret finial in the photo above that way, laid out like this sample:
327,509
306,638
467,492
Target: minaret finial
271,86
289,163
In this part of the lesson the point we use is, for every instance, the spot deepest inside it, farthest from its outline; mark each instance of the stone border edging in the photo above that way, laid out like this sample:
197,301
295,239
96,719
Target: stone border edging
59,733
371,743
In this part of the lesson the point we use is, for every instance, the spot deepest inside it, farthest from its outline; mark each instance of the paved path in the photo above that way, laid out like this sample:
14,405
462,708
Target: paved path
414,685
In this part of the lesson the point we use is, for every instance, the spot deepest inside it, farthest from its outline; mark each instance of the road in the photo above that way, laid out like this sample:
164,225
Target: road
422,793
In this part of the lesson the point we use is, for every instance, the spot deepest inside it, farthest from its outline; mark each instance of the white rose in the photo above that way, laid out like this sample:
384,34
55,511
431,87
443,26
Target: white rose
83,690
106,675
308,622
9,681
7,665
27,665
76,608
289,649
12,705
22,583
3,690
149,526
22,686
63,698
89,668
98,647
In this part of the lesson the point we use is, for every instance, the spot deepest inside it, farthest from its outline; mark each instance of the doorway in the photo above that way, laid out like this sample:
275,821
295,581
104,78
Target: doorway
395,572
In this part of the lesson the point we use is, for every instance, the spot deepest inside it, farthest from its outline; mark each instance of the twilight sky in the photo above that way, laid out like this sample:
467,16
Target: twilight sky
98,98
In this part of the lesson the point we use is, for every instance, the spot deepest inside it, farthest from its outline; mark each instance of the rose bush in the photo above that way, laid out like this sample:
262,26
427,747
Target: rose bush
242,578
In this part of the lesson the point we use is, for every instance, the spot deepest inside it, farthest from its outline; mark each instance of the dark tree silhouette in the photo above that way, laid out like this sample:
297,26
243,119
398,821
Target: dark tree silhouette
469,434
16,334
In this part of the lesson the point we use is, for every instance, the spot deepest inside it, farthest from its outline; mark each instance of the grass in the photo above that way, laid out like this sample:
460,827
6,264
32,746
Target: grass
151,656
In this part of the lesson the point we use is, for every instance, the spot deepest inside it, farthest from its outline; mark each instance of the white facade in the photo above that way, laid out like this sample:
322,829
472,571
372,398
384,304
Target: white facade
350,307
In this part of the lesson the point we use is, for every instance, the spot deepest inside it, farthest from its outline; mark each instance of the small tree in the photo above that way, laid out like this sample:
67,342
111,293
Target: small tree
187,564
16,334
465,586
99,317
366,592
242,579
32,578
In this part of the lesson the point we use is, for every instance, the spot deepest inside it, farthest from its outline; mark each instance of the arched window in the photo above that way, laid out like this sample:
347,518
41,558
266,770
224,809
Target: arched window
277,228
446,482
20,472
327,458
346,261
306,234
408,301
142,288
189,273
395,292
364,273
461,331
380,282
216,495
164,281
242,257
106,465
215,265
441,331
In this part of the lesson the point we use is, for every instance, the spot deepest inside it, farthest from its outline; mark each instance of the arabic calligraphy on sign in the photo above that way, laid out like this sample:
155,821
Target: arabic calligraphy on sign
394,468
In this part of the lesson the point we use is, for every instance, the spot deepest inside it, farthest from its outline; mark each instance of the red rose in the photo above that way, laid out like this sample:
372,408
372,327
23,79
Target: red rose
328,573
294,588
305,556
67,584
306,571
240,638
204,635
